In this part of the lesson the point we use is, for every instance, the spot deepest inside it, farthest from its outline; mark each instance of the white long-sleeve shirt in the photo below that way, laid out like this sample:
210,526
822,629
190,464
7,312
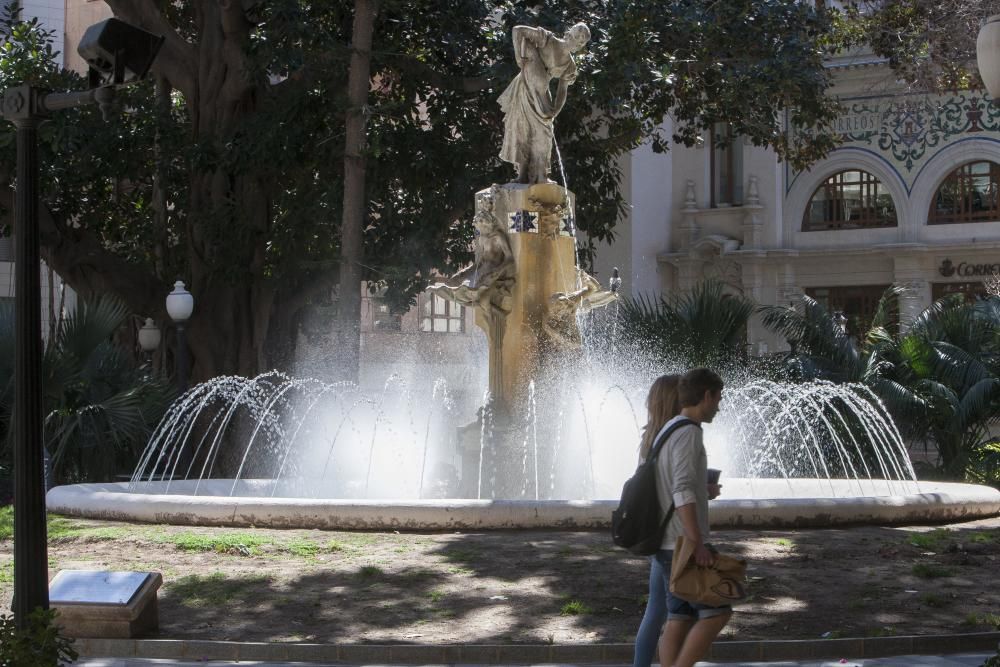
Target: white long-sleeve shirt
682,479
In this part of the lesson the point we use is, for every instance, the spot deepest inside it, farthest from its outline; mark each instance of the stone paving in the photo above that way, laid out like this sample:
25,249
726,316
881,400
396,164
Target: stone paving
961,660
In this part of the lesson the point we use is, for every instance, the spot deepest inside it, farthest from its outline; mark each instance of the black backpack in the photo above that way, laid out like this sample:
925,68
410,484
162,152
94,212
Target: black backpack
636,524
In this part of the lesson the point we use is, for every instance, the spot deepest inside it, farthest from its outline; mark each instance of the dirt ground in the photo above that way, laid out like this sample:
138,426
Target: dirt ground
530,586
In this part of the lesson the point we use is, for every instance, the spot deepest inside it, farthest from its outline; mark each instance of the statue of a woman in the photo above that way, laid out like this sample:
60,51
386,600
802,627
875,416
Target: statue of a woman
528,103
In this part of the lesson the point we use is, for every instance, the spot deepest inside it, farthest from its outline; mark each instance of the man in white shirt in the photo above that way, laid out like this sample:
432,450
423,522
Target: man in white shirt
682,479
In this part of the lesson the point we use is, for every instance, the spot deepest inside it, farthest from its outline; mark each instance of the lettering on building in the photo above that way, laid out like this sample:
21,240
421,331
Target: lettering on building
949,269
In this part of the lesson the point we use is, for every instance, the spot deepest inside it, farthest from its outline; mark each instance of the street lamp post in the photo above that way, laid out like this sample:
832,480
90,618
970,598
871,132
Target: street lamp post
149,340
26,106
180,305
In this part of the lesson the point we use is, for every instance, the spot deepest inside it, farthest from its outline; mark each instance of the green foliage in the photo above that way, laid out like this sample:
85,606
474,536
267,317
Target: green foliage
703,327
575,608
6,522
238,183
935,539
931,571
940,378
370,571
930,43
37,645
99,409
237,544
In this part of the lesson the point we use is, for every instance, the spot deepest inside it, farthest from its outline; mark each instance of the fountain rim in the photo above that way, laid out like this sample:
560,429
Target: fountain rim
935,502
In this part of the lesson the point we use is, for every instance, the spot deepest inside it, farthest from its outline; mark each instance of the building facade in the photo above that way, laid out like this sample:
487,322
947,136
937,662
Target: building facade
909,198
54,15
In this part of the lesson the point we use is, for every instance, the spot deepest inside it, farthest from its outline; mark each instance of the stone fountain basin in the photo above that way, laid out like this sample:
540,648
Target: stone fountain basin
758,503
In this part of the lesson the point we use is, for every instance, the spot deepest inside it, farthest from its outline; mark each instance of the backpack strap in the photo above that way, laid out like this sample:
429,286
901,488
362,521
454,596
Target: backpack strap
656,452
658,445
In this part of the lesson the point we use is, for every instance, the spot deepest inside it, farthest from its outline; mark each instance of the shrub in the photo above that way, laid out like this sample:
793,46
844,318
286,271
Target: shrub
38,645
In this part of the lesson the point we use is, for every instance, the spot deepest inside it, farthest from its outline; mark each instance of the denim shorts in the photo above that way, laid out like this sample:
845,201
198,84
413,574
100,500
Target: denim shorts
682,610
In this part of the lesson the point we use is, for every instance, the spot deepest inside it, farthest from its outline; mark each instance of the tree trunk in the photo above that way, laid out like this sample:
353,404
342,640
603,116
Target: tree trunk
348,333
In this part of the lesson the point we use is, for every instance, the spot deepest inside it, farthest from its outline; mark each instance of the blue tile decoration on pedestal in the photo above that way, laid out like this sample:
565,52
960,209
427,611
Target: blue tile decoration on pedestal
568,225
523,221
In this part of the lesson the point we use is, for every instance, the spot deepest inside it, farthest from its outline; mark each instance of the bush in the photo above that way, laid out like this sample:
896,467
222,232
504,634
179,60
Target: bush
38,645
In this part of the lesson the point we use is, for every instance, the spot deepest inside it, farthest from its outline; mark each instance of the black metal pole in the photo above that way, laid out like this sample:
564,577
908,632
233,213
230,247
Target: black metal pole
31,571
182,359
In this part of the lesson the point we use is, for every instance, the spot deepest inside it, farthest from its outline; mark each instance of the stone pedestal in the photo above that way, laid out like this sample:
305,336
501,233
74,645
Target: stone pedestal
540,223
117,605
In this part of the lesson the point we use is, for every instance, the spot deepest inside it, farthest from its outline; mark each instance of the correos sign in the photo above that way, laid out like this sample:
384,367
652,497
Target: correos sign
967,269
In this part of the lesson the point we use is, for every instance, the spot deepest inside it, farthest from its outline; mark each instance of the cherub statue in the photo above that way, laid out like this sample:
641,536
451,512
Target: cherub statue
560,322
490,278
528,104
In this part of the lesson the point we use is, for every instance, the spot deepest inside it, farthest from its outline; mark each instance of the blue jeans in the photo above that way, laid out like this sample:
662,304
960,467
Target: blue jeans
663,606
654,617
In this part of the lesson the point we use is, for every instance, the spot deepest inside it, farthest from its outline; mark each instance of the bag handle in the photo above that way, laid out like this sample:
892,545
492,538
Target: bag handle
683,550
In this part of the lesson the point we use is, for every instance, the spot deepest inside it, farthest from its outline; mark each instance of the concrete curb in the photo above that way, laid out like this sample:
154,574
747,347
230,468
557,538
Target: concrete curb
753,503
735,651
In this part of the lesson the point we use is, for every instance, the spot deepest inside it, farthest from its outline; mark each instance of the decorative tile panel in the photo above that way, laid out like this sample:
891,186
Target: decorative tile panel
907,131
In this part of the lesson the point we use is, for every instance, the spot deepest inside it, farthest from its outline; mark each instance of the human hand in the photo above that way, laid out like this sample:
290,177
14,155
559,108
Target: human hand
702,556
714,491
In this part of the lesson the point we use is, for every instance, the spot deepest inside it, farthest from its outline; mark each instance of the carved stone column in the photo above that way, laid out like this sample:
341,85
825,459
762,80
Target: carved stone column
908,273
539,220
753,225
689,224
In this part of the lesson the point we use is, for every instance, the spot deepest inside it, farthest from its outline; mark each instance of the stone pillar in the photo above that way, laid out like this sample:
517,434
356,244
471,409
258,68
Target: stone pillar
753,225
540,227
908,274
689,225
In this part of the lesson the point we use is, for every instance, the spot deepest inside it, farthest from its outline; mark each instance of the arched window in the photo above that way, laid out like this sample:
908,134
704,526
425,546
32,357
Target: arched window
849,200
968,194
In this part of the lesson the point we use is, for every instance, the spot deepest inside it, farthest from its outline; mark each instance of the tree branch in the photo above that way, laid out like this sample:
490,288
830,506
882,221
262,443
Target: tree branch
411,66
177,60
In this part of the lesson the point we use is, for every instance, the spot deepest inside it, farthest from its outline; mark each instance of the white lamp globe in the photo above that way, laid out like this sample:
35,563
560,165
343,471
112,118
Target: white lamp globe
180,303
988,55
149,336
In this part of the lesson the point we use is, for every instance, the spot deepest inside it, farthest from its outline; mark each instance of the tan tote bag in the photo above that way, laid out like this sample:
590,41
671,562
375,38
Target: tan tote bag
723,583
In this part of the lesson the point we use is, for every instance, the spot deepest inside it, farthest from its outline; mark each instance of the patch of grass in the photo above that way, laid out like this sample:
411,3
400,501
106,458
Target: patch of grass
61,528
784,542
881,632
574,608
435,596
453,555
370,571
934,600
7,573
934,539
984,537
6,522
460,570
988,619
237,544
931,571
215,589
302,548
103,534
857,603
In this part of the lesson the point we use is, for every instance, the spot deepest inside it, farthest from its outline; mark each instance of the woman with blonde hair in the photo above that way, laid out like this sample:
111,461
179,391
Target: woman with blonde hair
662,405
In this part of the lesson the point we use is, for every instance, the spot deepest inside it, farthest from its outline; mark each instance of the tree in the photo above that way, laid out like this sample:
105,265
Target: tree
930,43
233,169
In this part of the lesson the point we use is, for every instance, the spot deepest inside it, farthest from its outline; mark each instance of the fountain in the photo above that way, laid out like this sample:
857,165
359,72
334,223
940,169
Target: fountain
554,437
